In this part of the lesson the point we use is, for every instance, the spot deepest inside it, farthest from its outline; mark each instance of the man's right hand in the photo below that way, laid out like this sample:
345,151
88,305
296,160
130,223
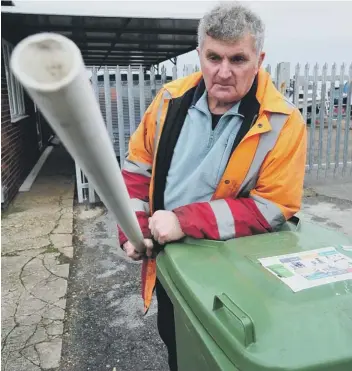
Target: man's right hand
134,254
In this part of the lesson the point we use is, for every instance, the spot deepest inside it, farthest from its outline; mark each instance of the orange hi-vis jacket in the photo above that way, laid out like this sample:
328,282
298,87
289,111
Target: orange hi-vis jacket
261,186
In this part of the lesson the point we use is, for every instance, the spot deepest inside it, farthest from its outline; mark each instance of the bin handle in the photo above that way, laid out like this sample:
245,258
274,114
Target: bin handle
296,221
243,328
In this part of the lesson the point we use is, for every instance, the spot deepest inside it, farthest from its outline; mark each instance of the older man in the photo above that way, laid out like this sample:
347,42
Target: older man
219,154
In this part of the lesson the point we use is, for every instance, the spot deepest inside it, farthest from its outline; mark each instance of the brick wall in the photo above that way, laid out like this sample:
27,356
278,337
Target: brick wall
19,145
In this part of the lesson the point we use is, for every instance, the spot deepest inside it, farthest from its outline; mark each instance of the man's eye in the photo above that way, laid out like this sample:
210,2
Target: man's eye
213,57
238,59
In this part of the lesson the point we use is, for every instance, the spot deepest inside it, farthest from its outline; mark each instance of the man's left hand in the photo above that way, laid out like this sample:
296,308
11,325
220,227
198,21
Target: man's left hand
165,227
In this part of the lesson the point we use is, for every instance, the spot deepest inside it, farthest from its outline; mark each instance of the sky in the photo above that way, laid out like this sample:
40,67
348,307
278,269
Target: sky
302,32
296,31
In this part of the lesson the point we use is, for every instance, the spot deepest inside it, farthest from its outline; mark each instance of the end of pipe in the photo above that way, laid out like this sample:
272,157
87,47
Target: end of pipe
46,61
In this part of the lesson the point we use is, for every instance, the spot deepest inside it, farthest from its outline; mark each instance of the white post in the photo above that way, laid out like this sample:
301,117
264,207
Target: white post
283,77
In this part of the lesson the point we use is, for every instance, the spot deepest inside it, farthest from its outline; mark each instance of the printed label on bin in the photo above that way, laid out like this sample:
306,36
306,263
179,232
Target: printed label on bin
311,268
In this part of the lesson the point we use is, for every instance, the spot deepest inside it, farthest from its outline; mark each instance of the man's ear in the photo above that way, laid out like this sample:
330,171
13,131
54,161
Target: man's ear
198,51
261,59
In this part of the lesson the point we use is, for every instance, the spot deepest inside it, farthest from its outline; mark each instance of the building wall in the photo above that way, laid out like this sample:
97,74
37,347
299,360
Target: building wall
19,144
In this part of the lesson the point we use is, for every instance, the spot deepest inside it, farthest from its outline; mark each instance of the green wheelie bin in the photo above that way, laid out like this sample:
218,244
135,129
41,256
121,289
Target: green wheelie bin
277,301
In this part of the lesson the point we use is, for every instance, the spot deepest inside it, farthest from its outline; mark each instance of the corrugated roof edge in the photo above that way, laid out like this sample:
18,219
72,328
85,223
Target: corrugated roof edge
164,10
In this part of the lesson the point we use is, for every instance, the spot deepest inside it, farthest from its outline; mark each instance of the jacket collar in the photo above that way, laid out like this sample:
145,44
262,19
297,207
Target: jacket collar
248,102
198,92
269,98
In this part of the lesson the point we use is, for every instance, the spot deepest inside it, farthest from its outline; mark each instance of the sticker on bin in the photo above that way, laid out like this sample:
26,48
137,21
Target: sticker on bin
308,269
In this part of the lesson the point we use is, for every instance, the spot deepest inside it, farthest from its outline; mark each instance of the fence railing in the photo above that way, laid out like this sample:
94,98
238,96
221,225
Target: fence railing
322,94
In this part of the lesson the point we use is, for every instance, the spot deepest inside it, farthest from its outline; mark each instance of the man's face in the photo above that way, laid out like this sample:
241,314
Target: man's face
229,68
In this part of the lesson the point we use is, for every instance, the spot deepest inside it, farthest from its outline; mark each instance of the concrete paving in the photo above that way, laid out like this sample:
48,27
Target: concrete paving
36,251
329,205
338,191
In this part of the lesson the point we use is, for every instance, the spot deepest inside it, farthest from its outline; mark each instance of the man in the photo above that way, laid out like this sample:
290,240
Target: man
219,154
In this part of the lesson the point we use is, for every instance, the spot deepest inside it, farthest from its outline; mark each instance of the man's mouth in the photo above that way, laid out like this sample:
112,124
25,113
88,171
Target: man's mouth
223,86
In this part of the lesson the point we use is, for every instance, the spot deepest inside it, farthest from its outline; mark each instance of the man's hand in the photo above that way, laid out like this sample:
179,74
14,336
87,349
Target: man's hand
134,254
165,227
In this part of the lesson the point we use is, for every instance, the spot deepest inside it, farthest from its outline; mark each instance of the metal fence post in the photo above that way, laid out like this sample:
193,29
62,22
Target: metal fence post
322,117
163,75
296,85
80,195
187,69
91,191
141,92
132,119
120,121
174,72
330,117
305,91
348,124
107,91
152,82
313,116
339,119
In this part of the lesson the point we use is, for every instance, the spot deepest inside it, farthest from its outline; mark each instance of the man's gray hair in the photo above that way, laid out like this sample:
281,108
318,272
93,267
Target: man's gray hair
230,22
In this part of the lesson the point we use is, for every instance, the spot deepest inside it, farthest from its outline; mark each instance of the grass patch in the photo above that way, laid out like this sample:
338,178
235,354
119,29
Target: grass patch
8,254
51,249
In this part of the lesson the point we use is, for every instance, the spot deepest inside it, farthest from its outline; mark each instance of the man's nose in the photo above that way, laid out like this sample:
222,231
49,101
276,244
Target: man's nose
224,70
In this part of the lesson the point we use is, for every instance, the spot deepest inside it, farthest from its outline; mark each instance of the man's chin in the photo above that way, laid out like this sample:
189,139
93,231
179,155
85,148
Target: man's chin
226,98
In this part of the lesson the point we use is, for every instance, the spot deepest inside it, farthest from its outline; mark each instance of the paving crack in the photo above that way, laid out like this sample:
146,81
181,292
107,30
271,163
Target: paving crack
30,249
30,337
7,361
46,332
60,217
28,359
44,265
46,280
9,254
4,342
21,349
30,293
8,293
44,301
45,325
35,347
36,351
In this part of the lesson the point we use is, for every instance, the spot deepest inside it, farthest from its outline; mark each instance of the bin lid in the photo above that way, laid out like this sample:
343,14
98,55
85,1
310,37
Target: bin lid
257,320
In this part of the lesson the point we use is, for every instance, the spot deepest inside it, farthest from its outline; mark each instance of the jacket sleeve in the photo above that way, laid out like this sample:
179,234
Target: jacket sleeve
137,167
275,198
